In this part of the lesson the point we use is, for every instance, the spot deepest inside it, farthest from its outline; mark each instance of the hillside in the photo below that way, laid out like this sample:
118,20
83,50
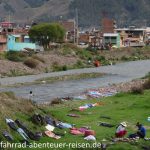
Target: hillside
125,12
90,11
28,10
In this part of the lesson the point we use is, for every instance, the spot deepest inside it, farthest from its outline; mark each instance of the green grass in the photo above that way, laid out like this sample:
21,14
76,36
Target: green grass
59,78
15,73
70,77
122,107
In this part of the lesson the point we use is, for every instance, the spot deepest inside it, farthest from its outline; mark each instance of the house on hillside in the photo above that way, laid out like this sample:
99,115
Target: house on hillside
108,25
18,42
5,29
83,39
111,39
3,41
147,36
71,30
131,36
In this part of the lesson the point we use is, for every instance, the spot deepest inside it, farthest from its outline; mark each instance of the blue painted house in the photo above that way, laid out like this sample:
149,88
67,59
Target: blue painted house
19,42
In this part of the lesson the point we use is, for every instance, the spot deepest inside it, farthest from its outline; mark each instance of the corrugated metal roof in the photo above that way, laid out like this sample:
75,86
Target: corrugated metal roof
16,35
130,29
26,37
111,34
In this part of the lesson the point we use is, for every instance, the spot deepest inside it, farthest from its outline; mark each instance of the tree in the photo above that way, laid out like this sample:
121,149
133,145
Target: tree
45,33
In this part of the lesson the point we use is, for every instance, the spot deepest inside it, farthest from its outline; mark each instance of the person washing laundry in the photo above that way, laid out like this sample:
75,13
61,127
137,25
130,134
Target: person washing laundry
96,63
30,95
121,131
89,60
141,132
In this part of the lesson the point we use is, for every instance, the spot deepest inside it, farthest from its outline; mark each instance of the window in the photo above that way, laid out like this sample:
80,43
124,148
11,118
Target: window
17,39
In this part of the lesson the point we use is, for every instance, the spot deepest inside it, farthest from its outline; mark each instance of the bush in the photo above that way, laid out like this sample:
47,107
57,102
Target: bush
16,56
38,58
124,58
137,90
146,85
84,54
79,64
147,75
57,67
56,102
46,70
100,58
64,68
2,55
32,63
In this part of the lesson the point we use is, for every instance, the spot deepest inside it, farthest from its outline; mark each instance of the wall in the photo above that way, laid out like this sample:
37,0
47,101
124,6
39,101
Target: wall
3,41
113,40
18,46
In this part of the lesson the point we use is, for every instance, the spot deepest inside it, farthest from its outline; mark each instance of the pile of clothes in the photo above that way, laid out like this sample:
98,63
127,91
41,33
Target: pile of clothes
86,106
50,125
24,132
102,92
86,132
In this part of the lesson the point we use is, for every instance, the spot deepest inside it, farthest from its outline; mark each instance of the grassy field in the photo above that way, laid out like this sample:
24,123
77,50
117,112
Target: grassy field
122,107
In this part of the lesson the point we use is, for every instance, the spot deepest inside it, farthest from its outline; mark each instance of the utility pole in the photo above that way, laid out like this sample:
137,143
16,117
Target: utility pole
77,25
9,19
74,34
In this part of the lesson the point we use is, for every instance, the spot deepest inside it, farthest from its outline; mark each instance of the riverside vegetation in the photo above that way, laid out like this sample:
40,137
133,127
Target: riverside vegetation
65,57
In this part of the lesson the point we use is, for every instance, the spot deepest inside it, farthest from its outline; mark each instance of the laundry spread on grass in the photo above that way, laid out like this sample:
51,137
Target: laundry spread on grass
52,124
57,129
73,115
87,106
93,93
52,135
104,124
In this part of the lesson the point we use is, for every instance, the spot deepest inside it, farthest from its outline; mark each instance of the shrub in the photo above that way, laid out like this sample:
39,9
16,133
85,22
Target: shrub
46,70
56,102
146,85
38,58
16,56
147,75
57,67
32,63
79,64
84,54
137,90
64,68
124,58
2,55
100,58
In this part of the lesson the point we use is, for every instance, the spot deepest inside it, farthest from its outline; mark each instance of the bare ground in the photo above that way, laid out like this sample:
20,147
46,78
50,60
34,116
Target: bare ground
6,66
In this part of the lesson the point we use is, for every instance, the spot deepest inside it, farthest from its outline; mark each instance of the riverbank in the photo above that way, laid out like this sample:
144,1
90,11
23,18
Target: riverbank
65,58
119,73
126,107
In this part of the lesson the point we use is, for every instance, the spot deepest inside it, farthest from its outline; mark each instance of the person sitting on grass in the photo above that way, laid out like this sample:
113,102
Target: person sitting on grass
121,131
141,133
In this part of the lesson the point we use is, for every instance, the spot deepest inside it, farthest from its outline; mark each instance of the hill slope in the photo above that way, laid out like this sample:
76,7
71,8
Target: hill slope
90,11
29,10
123,11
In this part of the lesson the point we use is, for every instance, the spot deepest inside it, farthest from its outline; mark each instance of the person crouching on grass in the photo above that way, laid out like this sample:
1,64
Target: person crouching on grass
141,132
121,130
